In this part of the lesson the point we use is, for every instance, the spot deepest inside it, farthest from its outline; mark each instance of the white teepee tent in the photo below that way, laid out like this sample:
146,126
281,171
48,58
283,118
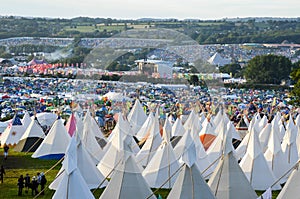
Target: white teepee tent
13,132
190,184
161,167
152,143
89,139
55,143
192,121
177,128
144,130
255,165
276,159
190,148
136,116
291,187
31,139
88,169
289,146
72,185
228,180
127,182
119,147
26,120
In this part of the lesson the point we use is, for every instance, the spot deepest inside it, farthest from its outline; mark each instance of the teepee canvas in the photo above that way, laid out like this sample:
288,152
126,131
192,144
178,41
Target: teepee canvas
127,182
55,143
136,116
31,139
72,185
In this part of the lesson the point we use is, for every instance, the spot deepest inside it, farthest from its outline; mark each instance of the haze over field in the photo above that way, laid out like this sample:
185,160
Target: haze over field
133,9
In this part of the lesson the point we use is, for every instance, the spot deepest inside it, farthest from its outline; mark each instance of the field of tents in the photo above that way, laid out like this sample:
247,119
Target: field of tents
191,157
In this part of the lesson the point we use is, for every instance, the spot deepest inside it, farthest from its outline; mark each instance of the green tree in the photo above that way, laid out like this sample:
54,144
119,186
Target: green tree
268,69
194,80
295,75
234,69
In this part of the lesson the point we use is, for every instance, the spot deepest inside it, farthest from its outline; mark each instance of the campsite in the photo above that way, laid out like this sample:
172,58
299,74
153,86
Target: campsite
163,146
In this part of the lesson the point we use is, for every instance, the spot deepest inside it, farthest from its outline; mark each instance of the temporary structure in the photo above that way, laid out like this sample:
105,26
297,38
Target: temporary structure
190,149
89,140
192,122
88,169
289,146
162,168
144,130
71,125
55,143
13,132
177,128
228,180
264,136
46,118
119,147
72,184
291,187
152,143
26,120
207,133
127,182
255,165
276,159
137,116
31,139
215,151
242,148
190,184
94,128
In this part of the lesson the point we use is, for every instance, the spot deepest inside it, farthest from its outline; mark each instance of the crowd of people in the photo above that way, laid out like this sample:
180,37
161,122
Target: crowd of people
36,181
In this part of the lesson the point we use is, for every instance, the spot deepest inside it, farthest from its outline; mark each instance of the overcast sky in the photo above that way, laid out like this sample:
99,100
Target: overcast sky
134,9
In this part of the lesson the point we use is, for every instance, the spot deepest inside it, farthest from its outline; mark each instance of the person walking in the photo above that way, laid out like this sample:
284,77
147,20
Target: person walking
5,148
20,185
2,172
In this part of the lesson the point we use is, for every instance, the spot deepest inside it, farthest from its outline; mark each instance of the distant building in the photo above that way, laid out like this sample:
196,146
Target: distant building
155,68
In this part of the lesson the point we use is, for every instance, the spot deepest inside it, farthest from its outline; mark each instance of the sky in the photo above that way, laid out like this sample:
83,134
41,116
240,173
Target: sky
135,9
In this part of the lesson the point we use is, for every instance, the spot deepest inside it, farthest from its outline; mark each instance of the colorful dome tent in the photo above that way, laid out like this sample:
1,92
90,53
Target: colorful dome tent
55,143
31,139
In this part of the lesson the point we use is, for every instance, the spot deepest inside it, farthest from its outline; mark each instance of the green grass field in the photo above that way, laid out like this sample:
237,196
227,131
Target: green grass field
20,163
